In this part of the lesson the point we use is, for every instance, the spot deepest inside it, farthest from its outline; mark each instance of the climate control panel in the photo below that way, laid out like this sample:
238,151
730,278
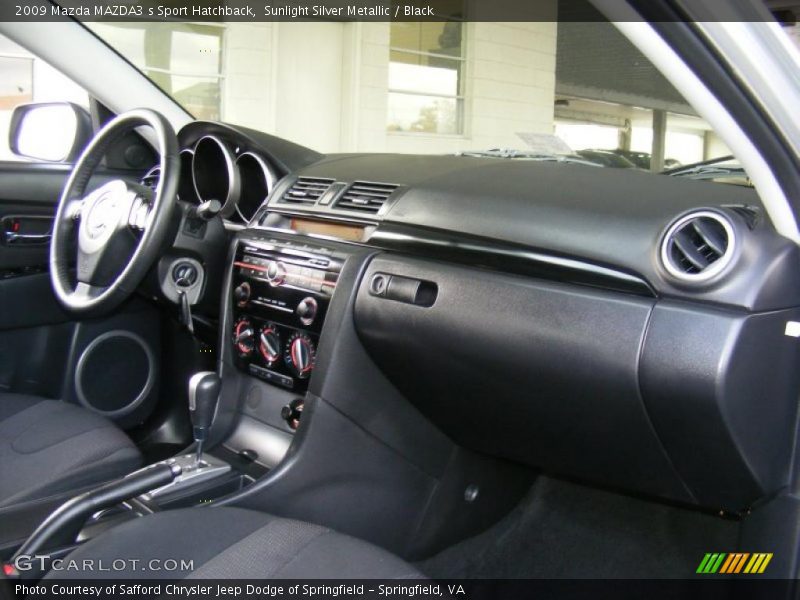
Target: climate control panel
280,296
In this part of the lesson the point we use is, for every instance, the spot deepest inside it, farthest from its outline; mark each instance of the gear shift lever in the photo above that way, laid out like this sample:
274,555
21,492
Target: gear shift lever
203,393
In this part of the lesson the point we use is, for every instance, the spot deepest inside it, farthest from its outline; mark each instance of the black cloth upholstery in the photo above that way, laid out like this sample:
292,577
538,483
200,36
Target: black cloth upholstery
49,447
232,543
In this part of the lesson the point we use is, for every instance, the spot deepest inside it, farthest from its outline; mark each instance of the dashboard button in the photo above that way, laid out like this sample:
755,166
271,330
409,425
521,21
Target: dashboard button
276,273
271,376
242,293
307,310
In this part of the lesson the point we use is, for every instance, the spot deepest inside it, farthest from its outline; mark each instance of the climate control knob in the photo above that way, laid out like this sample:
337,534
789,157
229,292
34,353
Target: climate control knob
300,355
244,337
269,344
307,310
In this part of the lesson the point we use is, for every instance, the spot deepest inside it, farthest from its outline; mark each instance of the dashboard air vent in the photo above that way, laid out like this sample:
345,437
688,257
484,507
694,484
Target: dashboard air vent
698,246
366,197
306,190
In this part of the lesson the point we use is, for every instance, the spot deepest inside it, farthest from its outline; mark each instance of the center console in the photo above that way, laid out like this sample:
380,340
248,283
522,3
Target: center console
281,292
281,287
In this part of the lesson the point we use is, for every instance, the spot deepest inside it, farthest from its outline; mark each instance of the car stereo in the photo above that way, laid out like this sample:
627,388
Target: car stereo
281,291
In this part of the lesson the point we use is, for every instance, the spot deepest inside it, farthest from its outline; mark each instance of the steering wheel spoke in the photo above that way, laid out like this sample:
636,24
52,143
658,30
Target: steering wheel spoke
87,292
122,226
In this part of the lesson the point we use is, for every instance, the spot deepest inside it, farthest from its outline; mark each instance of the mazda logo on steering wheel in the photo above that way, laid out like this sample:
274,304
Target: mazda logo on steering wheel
101,215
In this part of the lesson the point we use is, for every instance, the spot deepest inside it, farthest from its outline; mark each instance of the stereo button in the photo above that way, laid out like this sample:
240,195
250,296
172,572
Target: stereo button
242,293
276,273
307,310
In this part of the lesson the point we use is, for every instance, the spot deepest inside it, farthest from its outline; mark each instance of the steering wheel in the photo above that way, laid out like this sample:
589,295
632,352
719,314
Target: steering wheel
121,227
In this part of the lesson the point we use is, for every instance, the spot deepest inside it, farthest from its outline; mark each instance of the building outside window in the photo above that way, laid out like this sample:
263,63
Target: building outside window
183,59
26,78
408,87
16,86
426,77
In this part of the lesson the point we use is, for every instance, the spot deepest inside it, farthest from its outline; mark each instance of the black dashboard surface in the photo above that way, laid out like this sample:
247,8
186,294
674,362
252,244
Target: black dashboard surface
608,221
633,378
609,217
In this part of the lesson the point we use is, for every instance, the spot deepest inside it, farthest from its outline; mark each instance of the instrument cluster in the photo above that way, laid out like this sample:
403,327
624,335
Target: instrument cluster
215,169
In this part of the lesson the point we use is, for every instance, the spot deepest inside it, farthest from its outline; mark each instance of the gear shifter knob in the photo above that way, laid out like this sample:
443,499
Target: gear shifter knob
203,393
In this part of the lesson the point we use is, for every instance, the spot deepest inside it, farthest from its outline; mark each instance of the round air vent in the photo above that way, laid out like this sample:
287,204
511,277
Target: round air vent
698,246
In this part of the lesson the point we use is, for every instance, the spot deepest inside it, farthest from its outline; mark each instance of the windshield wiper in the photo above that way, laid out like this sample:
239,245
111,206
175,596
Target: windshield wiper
526,155
708,169
709,172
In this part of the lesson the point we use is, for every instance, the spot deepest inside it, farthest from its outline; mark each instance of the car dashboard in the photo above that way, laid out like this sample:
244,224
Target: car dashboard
614,326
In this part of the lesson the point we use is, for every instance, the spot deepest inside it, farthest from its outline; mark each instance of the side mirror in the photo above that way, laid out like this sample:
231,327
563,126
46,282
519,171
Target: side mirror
51,131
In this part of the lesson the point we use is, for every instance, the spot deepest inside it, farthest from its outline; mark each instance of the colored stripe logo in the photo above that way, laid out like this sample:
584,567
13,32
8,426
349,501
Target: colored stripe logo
733,563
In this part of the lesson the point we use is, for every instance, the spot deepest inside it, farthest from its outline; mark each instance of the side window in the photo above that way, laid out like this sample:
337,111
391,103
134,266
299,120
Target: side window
183,59
26,78
426,78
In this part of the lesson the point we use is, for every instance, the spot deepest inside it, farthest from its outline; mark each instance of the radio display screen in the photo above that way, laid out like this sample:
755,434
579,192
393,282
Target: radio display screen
350,233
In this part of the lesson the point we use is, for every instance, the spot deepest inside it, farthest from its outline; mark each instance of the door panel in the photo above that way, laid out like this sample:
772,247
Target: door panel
42,350
33,190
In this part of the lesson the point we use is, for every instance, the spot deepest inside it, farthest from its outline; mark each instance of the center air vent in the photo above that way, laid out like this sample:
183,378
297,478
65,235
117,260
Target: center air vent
698,246
306,190
365,197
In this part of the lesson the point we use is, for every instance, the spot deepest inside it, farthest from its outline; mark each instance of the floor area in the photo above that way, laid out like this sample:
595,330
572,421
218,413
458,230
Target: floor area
565,530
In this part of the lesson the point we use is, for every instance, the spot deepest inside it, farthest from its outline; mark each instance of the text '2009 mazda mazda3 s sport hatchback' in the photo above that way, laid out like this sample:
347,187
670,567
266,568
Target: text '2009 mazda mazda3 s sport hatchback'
401,299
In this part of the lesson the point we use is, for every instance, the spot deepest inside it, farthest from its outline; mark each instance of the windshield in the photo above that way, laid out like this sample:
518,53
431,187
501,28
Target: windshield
454,87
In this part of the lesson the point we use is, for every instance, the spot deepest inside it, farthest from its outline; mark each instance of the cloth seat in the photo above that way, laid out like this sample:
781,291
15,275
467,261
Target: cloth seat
49,447
230,543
